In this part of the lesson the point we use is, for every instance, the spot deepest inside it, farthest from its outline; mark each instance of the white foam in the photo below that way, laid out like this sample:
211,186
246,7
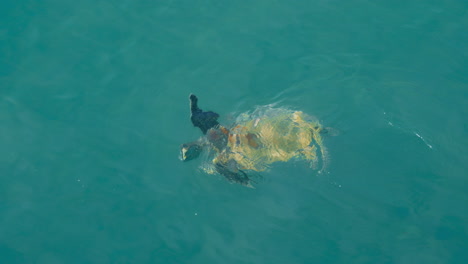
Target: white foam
424,140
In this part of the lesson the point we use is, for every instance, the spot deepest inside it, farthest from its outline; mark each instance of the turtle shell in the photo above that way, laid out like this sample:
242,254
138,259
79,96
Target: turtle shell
268,135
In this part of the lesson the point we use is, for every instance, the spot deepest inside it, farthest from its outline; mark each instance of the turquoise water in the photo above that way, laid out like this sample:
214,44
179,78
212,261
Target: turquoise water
94,106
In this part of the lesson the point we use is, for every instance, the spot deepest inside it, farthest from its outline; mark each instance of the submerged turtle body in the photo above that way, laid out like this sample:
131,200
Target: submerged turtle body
255,141
268,135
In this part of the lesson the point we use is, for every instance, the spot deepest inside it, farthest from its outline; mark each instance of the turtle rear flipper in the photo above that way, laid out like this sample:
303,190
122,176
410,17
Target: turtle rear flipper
329,131
203,120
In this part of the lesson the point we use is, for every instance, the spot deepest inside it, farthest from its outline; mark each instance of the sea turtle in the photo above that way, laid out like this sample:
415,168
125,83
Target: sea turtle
256,140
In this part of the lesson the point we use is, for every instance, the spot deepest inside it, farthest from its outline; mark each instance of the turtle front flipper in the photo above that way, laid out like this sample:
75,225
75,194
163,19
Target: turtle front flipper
203,120
232,173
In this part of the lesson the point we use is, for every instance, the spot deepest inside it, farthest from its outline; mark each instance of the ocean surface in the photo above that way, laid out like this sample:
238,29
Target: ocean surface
94,106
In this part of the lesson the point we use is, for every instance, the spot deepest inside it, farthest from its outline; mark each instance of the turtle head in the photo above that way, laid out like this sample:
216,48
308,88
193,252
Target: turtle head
190,151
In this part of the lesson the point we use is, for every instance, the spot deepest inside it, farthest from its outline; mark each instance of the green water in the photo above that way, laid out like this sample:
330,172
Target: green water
94,106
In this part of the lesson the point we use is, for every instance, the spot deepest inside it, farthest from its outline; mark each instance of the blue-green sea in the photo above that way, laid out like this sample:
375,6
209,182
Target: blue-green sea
94,106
